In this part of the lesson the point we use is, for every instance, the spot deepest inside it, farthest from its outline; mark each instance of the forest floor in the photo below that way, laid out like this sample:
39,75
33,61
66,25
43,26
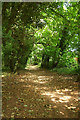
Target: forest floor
39,93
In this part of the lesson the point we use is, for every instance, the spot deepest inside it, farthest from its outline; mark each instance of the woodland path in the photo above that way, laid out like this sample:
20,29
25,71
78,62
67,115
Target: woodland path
39,93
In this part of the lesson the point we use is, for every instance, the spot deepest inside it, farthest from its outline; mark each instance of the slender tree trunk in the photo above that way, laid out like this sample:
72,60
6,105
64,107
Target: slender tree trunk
45,61
61,45
42,64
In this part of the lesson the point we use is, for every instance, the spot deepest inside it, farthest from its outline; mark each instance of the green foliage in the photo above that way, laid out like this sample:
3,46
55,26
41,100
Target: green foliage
66,70
57,35
45,34
15,53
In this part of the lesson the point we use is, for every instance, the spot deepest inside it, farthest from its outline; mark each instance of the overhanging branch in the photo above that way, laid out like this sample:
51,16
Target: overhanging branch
59,14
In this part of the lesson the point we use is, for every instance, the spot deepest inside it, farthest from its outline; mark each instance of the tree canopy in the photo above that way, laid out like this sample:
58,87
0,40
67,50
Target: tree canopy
42,33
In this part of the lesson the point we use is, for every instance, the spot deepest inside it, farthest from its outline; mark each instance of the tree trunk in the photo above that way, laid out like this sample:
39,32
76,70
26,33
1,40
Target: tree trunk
45,61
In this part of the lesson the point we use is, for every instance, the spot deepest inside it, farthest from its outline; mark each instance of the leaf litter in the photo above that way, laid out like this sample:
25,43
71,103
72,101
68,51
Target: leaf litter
39,93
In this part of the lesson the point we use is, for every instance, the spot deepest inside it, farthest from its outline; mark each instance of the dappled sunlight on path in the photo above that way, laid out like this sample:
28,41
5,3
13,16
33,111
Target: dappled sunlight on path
39,93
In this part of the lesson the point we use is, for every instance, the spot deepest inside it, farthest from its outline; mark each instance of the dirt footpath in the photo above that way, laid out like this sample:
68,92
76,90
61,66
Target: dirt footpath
39,93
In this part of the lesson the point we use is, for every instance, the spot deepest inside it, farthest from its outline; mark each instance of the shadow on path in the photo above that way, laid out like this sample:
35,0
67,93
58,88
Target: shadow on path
39,93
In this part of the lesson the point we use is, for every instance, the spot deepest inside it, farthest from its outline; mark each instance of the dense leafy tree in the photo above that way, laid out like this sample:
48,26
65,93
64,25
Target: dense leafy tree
49,32
17,34
57,36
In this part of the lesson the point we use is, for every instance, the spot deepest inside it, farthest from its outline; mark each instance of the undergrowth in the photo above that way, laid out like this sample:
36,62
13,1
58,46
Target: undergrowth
66,70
